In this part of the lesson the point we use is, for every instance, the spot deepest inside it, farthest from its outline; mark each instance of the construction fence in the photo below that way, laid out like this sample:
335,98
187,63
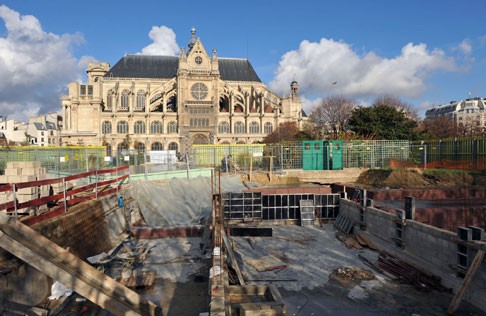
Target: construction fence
467,154
289,155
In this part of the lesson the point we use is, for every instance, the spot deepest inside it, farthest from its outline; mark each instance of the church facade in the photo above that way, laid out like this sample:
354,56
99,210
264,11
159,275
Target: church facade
172,103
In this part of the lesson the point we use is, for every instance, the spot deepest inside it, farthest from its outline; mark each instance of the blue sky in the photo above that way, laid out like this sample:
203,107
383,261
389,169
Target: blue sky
425,52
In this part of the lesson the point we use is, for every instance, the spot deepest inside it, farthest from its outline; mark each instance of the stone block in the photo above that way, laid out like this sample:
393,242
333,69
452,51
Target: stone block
21,198
29,171
6,197
27,178
13,172
28,164
11,165
4,179
31,190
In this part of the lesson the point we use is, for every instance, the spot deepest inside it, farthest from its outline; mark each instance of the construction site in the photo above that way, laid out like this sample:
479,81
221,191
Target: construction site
258,239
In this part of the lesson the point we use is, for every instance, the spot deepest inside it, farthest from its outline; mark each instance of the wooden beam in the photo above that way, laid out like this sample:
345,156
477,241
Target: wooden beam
59,264
234,263
456,301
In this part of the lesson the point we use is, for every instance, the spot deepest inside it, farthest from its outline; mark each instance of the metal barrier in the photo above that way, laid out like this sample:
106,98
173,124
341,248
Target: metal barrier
104,184
441,154
60,160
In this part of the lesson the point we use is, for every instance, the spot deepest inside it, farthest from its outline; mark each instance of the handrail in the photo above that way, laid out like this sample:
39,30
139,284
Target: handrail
60,200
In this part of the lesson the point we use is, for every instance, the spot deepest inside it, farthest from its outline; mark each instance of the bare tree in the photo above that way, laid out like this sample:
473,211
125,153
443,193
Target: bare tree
469,126
398,104
331,115
439,127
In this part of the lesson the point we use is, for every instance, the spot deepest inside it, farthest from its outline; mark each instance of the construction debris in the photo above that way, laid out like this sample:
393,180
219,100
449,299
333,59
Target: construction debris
350,242
353,273
408,273
267,263
139,279
364,240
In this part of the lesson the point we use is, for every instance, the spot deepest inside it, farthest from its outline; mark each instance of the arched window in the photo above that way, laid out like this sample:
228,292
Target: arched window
140,147
108,150
106,127
124,103
173,146
109,100
268,128
172,104
200,139
122,127
254,128
223,128
172,128
156,127
139,127
239,128
121,146
157,146
140,101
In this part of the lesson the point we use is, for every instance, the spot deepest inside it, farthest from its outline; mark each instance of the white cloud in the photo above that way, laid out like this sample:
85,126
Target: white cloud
308,105
331,67
465,47
164,42
35,66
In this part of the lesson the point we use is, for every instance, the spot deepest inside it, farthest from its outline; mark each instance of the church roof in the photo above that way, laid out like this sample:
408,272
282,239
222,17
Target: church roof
145,66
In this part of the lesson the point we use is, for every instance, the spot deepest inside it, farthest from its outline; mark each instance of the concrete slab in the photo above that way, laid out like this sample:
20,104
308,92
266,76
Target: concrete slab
309,287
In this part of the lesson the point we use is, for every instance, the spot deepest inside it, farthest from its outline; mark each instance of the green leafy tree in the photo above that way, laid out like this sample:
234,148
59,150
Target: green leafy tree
383,122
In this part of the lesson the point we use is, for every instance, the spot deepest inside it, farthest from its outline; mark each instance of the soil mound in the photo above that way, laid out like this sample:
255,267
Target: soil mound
415,178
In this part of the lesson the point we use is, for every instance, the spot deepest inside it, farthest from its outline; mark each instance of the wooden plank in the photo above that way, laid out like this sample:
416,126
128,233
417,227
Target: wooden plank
141,279
6,187
59,264
37,183
365,241
29,221
234,263
80,175
7,205
40,201
81,189
456,301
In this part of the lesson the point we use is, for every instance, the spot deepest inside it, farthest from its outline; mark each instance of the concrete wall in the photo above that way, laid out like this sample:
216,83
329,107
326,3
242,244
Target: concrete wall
76,228
425,246
87,229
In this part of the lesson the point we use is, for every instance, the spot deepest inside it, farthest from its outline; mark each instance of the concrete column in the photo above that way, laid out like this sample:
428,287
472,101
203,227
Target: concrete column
164,102
262,105
231,104
410,207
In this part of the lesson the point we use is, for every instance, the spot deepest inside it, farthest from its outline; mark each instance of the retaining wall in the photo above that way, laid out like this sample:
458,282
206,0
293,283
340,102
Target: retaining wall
87,229
431,248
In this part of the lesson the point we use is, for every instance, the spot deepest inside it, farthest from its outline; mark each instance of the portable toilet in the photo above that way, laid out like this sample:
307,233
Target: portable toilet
312,155
333,154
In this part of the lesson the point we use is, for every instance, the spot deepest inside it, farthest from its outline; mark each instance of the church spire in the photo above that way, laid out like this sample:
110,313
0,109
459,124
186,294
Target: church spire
193,39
